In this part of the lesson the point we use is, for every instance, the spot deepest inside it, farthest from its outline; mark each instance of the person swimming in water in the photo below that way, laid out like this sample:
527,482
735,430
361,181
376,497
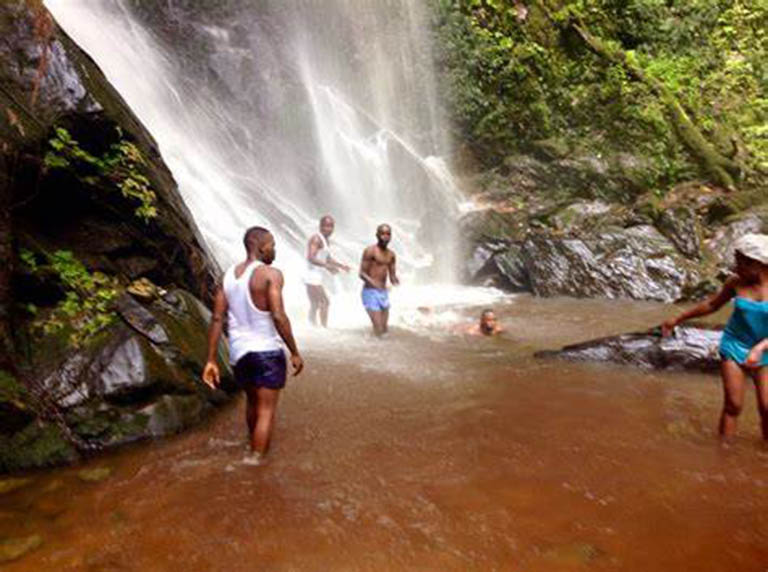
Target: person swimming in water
321,266
487,325
744,336
378,261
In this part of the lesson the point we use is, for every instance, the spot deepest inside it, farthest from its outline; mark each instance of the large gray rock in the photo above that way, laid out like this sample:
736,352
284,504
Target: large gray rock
681,226
140,379
723,239
636,262
691,348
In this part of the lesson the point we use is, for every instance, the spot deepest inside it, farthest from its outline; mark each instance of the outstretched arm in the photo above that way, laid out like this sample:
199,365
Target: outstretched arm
338,265
282,323
712,304
211,374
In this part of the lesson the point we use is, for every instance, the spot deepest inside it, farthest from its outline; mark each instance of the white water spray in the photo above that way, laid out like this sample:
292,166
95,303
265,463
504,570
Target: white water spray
277,115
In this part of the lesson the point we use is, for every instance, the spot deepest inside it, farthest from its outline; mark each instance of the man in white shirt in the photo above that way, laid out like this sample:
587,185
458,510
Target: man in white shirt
251,295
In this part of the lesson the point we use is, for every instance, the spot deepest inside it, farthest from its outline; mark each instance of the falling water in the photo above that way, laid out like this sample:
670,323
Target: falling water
277,112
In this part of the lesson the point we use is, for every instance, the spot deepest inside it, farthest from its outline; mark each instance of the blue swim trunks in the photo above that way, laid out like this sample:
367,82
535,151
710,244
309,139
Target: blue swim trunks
376,299
261,369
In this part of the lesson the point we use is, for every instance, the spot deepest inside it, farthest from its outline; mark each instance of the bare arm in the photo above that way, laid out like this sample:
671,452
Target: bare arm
211,374
282,323
392,273
708,306
338,265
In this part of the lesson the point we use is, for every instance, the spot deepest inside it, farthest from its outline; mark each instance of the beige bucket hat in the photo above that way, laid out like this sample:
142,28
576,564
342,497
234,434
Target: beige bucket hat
754,246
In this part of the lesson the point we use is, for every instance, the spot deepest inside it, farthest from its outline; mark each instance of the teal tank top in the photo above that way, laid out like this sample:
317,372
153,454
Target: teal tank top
747,326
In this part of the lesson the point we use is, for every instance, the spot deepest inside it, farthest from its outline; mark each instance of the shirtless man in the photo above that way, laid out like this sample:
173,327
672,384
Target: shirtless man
377,262
252,297
320,263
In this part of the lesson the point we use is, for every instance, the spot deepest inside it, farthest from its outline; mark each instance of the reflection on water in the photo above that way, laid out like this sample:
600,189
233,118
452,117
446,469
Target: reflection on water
433,452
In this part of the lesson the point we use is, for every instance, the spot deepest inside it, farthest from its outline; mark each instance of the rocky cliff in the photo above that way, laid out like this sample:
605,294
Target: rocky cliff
104,275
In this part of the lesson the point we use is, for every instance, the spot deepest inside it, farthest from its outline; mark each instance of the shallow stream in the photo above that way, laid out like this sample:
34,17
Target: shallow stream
431,451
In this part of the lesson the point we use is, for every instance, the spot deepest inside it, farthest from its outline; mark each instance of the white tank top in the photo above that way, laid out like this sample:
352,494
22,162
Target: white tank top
315,274
250,329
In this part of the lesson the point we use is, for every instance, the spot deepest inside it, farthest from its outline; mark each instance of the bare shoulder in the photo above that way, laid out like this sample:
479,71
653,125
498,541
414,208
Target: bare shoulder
315,240
274,273
369,251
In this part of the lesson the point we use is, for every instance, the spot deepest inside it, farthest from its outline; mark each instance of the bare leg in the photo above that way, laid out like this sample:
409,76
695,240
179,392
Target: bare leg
376,321
251,412
324,303
262,404
733,387
313,303
385,321
761,385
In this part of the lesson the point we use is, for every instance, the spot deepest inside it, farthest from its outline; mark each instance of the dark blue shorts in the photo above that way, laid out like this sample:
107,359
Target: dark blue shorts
261,369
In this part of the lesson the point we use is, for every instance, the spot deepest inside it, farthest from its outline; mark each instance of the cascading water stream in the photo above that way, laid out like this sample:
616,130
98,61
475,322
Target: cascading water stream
278,115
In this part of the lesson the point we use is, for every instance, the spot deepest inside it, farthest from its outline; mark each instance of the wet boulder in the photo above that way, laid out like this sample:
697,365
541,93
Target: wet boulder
724,237
681,226
637,262
139,379
691,348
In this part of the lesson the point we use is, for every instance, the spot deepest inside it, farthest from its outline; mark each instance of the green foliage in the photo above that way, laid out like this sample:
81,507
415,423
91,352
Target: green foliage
121,166
87,306
513,76
11,391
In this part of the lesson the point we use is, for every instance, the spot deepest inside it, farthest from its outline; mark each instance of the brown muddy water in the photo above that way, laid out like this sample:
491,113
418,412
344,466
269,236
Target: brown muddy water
432,452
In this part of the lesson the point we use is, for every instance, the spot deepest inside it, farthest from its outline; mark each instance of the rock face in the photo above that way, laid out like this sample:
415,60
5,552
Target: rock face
526,236
691,348
137,377
637,262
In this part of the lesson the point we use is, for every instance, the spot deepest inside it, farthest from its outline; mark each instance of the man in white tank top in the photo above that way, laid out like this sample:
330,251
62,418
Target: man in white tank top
321,267
251,296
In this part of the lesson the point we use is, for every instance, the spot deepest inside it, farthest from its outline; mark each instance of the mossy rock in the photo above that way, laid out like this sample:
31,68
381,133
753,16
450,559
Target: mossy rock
9,485
37,445
94,475
15,407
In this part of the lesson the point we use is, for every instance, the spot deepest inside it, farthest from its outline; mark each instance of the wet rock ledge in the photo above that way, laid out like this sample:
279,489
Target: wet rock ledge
692,348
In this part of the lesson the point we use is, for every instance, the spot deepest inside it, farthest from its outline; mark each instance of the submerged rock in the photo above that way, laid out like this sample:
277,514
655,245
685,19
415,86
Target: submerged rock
8,485
14,548
691,348
94,475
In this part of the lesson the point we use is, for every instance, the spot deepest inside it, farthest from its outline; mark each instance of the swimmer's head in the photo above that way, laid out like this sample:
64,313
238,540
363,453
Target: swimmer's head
488,322
327,224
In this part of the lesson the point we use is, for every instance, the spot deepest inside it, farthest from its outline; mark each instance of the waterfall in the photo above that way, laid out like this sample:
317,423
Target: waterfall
279,111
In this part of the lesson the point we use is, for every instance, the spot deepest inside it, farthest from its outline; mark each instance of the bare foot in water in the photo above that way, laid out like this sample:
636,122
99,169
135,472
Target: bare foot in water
253,459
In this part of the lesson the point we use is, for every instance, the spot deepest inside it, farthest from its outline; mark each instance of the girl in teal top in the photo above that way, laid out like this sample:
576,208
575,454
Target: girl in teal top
745,336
